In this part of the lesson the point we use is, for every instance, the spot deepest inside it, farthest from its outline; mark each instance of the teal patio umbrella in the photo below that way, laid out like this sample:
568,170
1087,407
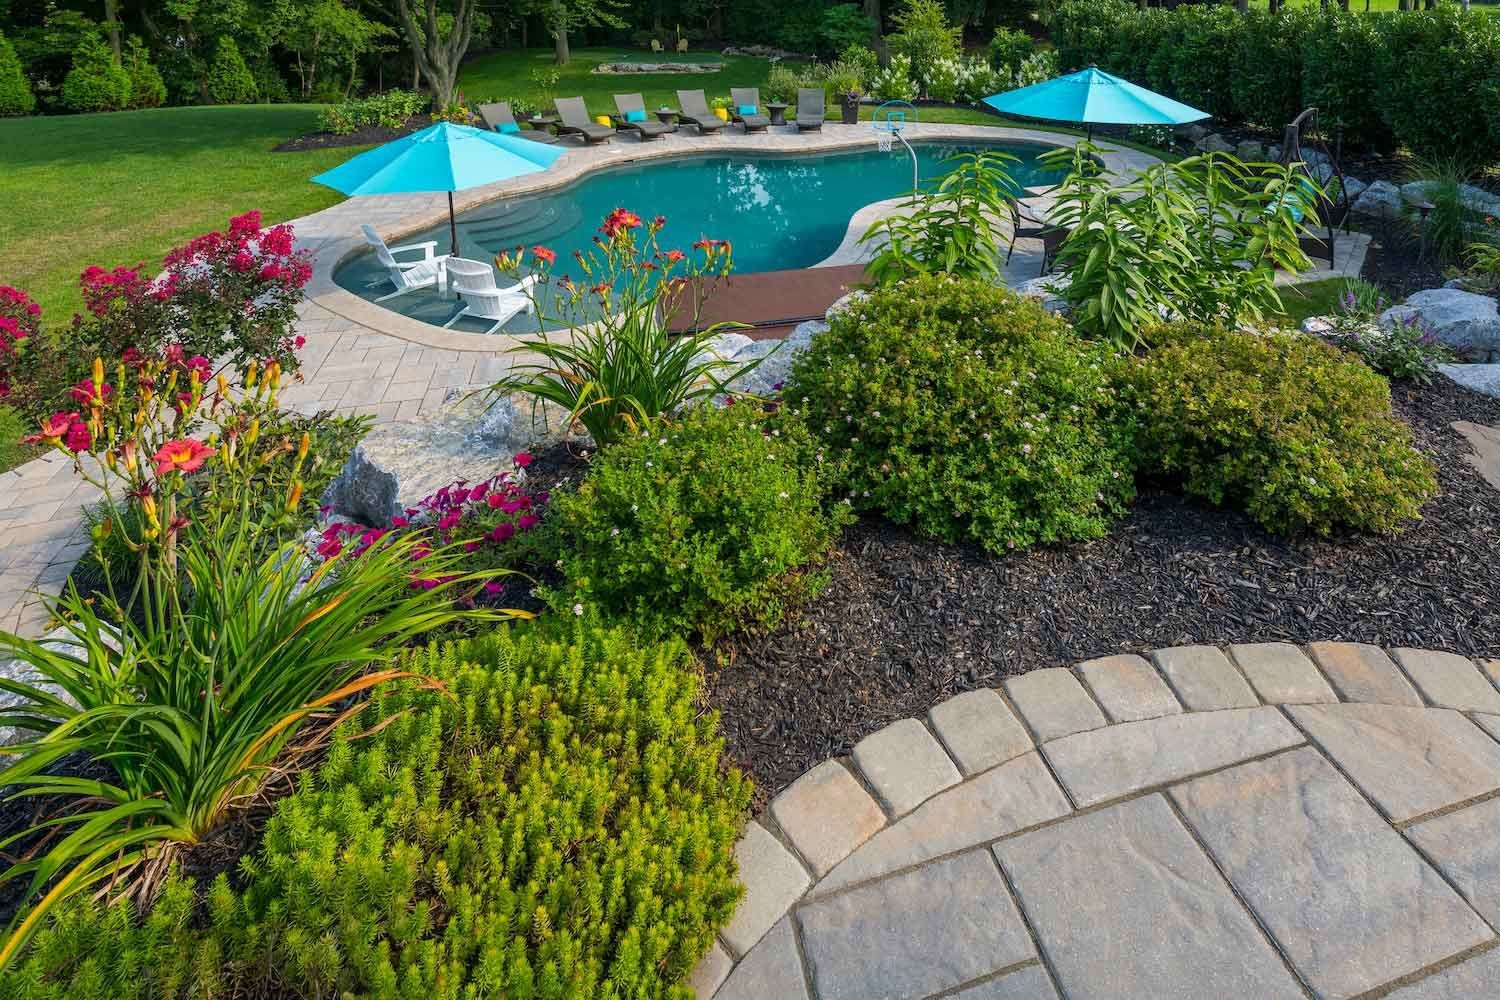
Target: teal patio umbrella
441,157
1093,97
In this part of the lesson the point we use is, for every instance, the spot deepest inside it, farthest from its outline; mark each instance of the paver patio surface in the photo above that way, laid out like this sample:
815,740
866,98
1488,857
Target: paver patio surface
1220,824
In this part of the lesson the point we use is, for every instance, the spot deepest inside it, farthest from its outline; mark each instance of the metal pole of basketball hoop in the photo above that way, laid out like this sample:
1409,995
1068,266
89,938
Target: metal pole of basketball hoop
884,142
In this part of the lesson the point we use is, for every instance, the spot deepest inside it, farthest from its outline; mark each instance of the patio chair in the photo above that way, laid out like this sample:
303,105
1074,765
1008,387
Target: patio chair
1052,237
407,276
474,281
695,111
748,97
497,117
633,116
573,119
810,109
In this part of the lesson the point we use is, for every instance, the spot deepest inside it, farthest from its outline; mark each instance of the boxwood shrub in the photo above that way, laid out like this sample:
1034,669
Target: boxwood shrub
968,412
1298,433
709,523
554,822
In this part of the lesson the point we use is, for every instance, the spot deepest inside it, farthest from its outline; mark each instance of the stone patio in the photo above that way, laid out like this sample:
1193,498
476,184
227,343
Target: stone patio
1258,821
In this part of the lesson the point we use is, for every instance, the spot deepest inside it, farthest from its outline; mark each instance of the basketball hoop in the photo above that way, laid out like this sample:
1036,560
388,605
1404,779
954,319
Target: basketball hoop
889,120
883,141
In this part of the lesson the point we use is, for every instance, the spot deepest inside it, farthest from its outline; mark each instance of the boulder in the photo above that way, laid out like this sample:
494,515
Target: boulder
843,303
756,349
1467,322
1250,151
1045,290
1477,378
1273,154
727,345
1381,199
800,338
1192,133
1476,199
1355,187
1323,172
1317,325
1214,144
399,463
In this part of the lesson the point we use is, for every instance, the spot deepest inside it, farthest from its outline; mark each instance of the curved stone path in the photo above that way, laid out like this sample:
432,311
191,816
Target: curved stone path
1258,821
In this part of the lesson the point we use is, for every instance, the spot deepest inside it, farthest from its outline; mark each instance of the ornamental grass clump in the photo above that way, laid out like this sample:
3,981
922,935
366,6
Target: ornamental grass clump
708,524
555,823
969,413
1293,430
193,689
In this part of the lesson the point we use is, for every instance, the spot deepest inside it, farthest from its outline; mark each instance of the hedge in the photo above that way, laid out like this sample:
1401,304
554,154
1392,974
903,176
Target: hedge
1423,79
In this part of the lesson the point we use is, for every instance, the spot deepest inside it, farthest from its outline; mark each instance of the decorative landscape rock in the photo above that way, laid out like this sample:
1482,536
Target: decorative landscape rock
58,640
1479,378
398,464
1475,198
1215,144
1355,187
1463,320
628,68
1381,199
1250,151
1045,290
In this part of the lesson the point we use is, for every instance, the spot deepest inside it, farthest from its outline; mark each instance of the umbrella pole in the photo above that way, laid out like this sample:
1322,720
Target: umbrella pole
452,225
1089,133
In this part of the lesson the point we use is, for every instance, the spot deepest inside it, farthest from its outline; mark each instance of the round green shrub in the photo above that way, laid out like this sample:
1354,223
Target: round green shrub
708,524
147,90
553,822
1298,433
16,97
229,79
96,82
968,412
1009,48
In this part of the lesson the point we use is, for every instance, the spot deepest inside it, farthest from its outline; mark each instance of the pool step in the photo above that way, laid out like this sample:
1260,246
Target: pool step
524,223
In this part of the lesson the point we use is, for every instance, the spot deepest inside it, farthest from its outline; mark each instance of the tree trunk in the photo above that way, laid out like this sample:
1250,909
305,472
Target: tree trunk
525,39
872,10
112,26
438,58
560,35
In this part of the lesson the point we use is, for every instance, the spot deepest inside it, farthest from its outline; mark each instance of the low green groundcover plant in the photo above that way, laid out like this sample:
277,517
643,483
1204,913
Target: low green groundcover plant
556,823
1295,431
970,413
706,524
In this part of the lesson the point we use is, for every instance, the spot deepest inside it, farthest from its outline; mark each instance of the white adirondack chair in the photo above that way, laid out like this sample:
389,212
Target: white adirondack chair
474,281
407,276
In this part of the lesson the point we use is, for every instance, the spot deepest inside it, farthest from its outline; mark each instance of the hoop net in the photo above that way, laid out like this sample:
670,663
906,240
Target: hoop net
883,140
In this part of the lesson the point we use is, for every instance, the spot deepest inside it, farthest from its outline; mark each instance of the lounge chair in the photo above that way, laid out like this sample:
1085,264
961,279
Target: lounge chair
633,116
498,118
474,281
695,111
810,109
574,119
407,276
747,97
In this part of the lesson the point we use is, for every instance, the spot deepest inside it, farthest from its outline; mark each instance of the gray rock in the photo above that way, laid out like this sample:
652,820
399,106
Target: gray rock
1126,905
1337,888
1323,172
1046,290
844,302
914,934
1485,457
1381,199
802,337
1317,325
1214,144
1477,378
1410,761
1355,187
1462,320
727,345
763,379
757,349
1193,133
1250,151
1273,153
1103,764
1313,157
1476,199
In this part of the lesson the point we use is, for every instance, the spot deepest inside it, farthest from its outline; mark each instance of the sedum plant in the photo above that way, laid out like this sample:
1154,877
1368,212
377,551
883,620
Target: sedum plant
558,825
708,524
958,226
617,363
195,688
1199,239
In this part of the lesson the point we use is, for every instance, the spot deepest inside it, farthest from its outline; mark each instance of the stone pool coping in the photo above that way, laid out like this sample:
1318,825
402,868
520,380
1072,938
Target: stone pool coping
333,234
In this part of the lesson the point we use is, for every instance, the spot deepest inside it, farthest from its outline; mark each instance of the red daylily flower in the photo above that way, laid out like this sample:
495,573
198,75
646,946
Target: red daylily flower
182,455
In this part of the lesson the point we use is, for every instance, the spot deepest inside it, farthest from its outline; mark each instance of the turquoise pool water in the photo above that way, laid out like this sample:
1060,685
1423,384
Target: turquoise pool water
780,212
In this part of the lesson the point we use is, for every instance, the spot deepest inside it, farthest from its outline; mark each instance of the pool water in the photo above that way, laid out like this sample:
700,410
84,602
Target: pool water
780,212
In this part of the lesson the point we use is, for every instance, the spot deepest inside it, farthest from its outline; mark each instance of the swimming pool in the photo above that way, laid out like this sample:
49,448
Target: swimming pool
779,211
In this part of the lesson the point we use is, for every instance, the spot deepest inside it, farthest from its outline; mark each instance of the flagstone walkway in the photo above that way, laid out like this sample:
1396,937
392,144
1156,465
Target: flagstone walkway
1262,821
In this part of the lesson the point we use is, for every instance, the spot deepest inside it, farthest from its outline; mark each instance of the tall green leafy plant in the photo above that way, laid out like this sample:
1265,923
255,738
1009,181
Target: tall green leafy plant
958,226
193,696
1198,239
924,36
618,364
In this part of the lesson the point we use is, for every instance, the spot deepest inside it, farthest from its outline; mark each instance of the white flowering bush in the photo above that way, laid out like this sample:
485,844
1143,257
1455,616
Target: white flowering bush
977,79
1035,68
895,83
714,522
942,76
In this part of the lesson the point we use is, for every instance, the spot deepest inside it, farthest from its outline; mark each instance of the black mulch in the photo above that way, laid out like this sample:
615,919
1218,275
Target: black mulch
369,135
906,623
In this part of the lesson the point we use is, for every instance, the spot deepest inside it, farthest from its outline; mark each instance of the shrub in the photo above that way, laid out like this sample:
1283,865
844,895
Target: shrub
1267,65
146,87
16,97
863,61
1344,52
844,25
620,365
556,824
96,82
1293,430
1083,31
1009,48
894,83
781,83
709,524
1200,74
924,36
1434,68
942,79
229,79
191,686
1197,239
968,412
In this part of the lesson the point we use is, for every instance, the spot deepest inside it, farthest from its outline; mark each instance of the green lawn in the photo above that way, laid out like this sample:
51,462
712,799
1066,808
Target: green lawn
124,188
12,453
507,76
1311,298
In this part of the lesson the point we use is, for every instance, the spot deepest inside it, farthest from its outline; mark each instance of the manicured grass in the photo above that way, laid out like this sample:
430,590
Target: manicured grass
1311,298
124,188
12,453
506,76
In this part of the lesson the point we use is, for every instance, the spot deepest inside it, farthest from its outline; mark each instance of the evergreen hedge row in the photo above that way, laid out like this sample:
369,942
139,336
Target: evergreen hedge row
1427,80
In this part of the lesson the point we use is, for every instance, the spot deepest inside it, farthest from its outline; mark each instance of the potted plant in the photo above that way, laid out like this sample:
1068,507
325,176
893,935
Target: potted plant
844,86
720,107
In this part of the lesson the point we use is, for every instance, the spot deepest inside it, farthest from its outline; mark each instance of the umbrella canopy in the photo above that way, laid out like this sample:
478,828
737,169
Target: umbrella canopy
1094,97
442,157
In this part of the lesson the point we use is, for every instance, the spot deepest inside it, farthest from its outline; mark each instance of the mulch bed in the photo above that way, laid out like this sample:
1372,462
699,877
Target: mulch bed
369,135
906,622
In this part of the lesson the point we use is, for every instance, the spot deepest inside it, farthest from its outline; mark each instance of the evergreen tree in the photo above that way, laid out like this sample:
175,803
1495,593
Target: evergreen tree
146,87
97,82
229,79
16,97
